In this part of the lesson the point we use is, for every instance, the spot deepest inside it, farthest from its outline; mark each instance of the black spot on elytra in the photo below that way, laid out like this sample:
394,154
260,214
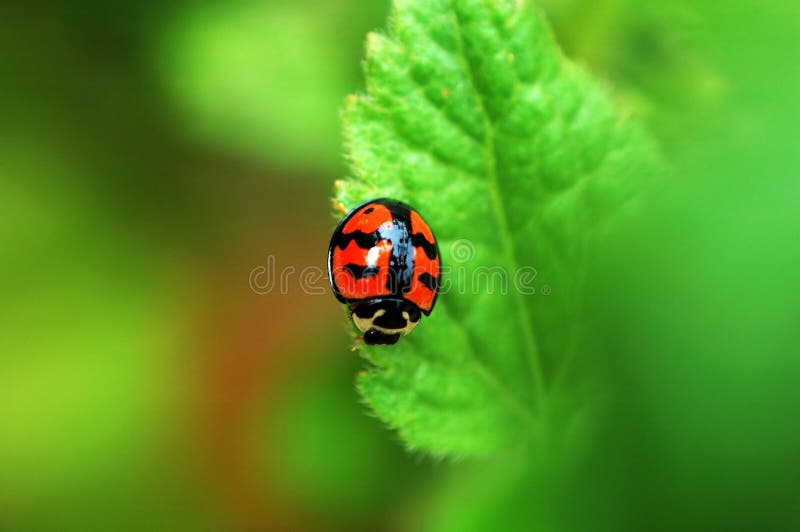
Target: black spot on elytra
359,272
362,240
419,241
429,281
370,210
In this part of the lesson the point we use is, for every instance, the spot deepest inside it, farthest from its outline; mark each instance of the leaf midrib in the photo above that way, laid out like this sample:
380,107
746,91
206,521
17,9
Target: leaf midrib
532,358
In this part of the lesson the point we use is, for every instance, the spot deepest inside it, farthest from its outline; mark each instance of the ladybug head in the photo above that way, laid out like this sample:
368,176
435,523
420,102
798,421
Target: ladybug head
383,320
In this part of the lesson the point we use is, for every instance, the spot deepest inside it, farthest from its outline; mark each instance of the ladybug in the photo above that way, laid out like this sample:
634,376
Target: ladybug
383,261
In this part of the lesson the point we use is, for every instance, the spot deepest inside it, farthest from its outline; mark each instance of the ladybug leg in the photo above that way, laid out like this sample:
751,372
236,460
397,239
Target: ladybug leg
339,207
357,343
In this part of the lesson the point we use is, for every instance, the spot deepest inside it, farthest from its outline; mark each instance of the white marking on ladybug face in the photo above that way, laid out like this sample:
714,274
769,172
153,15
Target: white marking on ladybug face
407,329
365,324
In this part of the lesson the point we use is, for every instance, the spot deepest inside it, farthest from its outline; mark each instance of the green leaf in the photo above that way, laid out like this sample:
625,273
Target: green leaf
518,159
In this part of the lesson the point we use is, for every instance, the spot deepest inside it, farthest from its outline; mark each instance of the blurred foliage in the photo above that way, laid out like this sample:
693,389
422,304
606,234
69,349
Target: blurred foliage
473,117
265,79
323,451
143,386
642,50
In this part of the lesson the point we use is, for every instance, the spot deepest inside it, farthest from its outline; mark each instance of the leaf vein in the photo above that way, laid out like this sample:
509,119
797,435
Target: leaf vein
522,313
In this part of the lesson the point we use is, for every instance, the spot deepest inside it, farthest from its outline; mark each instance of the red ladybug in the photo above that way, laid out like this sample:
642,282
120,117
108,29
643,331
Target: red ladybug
383,261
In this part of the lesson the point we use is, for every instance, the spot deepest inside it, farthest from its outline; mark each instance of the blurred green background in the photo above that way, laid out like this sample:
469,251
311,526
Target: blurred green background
153,154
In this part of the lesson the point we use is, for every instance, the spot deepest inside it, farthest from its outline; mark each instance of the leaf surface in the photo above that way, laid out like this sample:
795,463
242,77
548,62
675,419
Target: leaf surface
517,159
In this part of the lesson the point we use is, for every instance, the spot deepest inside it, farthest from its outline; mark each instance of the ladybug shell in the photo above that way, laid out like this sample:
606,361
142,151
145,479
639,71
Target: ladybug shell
384,249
